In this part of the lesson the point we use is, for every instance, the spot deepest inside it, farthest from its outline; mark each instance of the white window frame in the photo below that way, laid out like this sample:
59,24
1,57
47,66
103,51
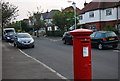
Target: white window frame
91,14
81,17
108,12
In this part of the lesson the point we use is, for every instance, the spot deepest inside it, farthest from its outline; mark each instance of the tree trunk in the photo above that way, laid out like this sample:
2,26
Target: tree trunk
37,32
2,31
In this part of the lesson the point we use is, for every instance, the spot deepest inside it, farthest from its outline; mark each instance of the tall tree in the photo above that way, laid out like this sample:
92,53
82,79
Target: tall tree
64,20
38,22
9,12
70,19
59,20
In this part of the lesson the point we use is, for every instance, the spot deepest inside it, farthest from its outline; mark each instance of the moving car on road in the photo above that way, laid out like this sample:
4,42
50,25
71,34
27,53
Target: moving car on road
102,39
23,40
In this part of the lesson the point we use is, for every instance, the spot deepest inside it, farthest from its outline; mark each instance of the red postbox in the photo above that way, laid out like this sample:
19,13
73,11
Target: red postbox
82,53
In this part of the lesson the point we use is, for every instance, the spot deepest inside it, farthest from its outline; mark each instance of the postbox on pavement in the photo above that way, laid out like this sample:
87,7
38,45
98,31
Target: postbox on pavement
82,53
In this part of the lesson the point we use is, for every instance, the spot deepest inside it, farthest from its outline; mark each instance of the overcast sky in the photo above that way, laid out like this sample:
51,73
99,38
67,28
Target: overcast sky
31,5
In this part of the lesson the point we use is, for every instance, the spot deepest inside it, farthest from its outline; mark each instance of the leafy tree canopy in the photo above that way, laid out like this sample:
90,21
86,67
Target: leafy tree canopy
59,20
9,12
64,20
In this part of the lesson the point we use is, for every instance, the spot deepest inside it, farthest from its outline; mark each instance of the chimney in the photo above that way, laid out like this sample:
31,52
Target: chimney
47,11
85,3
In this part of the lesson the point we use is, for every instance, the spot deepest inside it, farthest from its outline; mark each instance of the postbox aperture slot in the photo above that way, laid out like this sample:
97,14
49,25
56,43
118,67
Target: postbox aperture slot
85,41
84,38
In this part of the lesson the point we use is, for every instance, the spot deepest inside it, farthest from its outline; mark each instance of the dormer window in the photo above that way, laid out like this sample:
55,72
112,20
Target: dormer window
91,14
108,12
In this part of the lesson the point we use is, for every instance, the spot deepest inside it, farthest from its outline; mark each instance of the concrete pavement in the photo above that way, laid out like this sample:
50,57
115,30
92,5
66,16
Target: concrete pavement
19,66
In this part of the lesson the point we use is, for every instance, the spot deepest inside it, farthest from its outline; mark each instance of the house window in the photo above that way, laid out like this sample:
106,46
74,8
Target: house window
92,27
108,12
91,14
119,28
81,17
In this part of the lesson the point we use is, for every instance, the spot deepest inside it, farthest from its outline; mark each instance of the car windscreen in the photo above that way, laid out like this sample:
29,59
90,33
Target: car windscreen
7,31
23,36
11,34
110,34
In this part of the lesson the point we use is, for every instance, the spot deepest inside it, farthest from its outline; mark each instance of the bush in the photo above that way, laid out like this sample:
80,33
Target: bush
19,31
55,33
111,28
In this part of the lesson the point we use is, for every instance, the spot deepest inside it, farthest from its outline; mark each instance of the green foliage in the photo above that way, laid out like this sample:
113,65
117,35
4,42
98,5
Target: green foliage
64,19
110,28
70,20
24,26
55,33
38,23
19,31
59,20
9,12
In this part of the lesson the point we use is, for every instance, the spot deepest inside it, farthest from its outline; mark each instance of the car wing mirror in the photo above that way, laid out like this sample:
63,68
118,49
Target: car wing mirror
91,37
15,37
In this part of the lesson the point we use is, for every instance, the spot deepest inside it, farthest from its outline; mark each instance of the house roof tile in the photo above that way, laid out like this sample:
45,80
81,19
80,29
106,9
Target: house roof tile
51,13
99,5
48,15
71,8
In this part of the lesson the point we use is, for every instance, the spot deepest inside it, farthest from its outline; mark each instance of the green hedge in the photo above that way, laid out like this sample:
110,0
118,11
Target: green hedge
111,28
55,33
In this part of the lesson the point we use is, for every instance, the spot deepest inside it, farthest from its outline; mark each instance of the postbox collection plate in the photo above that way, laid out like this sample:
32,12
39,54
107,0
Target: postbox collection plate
85,52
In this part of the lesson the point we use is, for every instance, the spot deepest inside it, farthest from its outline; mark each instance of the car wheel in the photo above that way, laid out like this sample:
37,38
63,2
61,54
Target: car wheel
100,46
14,45
114,46
33,46
64,41
17,46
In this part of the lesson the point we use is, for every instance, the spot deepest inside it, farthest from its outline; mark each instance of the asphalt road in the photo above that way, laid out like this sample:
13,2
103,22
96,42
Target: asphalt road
52,52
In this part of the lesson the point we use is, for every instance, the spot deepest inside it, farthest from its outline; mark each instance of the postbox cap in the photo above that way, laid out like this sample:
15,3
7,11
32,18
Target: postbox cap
81,32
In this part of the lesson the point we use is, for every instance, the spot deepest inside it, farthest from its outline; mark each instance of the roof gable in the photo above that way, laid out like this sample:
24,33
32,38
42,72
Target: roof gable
71,8
48,15
51,13
99,5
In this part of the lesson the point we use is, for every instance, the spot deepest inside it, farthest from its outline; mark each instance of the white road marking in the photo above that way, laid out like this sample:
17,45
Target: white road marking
52,70
116,50
54,40
11,44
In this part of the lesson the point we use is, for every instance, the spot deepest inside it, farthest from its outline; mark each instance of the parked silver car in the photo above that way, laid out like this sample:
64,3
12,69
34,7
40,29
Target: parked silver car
23,40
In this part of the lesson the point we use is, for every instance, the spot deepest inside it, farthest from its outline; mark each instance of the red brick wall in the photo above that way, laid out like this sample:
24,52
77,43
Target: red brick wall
101,25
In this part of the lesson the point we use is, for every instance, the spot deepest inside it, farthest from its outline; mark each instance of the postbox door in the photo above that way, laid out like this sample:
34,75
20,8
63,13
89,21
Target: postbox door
82,59
85,61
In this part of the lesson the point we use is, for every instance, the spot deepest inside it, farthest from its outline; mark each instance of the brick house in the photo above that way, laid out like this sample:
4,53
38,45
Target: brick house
48,18
70,8
97,15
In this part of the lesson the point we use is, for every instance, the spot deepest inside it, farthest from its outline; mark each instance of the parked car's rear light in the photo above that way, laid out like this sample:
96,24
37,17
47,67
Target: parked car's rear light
104,39
116,38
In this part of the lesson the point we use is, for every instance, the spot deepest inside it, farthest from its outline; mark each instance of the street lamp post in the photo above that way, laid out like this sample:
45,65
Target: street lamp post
74,6
20,26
